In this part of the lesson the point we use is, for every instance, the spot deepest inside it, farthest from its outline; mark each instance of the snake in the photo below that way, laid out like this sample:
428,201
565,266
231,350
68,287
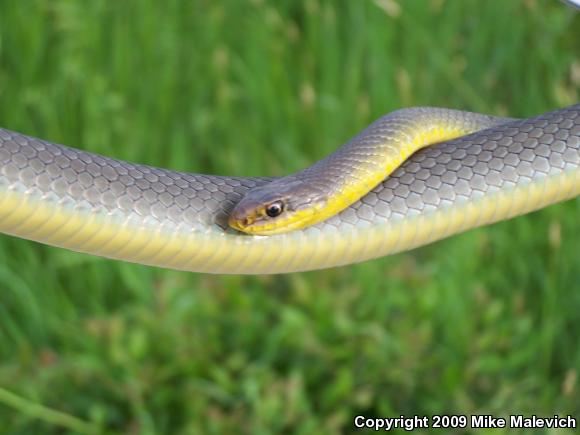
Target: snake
500,168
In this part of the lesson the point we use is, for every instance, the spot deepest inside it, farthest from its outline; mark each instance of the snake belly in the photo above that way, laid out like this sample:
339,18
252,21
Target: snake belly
89,203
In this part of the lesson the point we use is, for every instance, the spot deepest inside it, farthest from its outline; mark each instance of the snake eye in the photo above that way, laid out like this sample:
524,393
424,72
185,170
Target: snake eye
274,209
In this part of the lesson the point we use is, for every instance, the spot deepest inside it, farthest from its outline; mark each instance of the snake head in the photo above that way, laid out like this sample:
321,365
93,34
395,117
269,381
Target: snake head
275,208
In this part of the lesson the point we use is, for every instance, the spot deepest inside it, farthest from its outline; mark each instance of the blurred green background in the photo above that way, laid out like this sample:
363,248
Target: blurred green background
484,323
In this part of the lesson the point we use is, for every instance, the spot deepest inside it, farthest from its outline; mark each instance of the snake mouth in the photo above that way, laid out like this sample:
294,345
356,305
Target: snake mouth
240,224
242,217
254,224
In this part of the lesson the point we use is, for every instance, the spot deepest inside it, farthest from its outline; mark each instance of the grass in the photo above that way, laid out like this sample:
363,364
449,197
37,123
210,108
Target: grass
483,323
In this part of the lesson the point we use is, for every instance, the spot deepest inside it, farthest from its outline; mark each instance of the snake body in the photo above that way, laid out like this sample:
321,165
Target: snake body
88,203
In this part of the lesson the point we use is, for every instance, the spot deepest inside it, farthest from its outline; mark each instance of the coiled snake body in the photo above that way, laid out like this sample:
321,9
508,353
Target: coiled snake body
88,203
